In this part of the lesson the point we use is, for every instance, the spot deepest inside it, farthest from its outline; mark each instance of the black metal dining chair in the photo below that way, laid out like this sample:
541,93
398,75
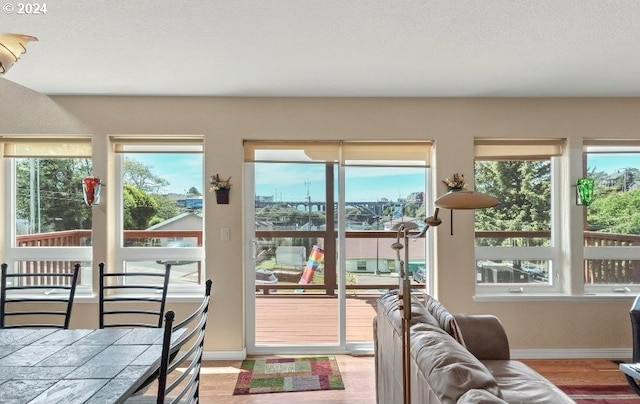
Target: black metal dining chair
121,294
44,299
634,313
179,374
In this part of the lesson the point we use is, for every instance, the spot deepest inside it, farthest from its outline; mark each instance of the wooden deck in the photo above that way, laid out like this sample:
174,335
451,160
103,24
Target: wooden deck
312,319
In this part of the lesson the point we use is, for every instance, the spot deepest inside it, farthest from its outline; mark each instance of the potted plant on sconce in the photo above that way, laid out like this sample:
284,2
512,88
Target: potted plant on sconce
457,184
221,187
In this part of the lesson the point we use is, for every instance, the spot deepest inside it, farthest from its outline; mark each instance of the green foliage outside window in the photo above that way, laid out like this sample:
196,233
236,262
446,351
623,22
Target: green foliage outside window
524,191
49,194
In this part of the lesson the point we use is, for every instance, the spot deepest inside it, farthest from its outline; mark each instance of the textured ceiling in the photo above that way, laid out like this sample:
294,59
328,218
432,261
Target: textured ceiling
331,47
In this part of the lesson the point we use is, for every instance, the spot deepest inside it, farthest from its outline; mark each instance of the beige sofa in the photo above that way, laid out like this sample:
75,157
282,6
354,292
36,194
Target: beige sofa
454,359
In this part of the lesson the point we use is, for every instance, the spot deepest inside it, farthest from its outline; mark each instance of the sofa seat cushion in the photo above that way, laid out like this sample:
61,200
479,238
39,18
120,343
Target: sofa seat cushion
520,384
449,369
475,396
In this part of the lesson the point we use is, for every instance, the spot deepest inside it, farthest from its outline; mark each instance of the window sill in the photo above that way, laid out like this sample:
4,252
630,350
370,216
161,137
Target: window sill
523,297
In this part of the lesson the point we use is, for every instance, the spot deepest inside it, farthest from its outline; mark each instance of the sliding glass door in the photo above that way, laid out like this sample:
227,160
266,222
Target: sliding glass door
319,234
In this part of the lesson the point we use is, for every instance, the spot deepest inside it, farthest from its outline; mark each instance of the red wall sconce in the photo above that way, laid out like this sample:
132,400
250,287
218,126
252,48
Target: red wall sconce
91,190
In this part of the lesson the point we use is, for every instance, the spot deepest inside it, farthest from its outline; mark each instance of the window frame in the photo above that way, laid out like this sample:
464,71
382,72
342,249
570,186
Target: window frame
631,253
15,147
124,255
553,254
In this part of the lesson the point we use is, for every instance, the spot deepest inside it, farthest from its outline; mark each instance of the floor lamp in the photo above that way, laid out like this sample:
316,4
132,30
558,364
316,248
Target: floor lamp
459,199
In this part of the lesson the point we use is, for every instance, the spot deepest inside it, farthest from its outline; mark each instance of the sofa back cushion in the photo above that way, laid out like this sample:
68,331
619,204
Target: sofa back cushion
389,305
450,370
445,320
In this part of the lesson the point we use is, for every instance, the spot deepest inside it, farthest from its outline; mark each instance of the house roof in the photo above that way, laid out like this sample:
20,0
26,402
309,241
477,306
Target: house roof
174,219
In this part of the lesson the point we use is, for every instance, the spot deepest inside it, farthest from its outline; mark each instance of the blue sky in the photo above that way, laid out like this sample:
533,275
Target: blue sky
182,170
289,182
612,162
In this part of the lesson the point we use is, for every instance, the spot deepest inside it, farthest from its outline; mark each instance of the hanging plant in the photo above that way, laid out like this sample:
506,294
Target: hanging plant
217,183
221,187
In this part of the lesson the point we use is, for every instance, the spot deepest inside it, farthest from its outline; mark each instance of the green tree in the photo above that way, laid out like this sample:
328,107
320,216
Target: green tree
414,209
142,177
524,191
49,194
166,209
194,191
139,208
615,212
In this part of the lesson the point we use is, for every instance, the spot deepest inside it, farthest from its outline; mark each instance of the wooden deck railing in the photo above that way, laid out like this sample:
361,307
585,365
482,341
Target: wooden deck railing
611,271
82,238
595,271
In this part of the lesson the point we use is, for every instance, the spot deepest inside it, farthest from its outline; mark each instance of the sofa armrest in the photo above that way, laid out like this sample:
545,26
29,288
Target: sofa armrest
484,336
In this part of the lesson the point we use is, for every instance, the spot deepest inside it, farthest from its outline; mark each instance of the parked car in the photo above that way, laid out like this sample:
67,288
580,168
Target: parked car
265,277
535,271
420,275
173,244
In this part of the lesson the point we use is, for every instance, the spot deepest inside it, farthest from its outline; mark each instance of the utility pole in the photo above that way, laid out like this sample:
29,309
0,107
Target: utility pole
306,183
32,196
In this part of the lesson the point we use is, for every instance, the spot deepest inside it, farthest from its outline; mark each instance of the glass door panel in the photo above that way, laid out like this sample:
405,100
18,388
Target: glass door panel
295,273
377,199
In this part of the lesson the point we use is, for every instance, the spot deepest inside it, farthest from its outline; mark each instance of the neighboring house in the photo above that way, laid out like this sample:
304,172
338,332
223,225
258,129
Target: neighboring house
612,180
371,255
184,221
634,186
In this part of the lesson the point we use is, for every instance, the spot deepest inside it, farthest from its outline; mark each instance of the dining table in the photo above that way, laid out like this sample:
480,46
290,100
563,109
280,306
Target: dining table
76,365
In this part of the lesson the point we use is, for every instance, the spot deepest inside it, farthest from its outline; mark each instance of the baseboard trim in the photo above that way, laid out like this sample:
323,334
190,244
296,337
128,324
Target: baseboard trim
596,353
224,355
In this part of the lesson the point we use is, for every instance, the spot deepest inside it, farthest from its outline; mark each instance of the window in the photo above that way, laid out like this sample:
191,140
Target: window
385,184
48,223
161,205
612,221
517,247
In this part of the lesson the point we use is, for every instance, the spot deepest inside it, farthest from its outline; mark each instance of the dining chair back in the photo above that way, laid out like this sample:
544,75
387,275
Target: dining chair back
123,293
634,313
45,299
179,379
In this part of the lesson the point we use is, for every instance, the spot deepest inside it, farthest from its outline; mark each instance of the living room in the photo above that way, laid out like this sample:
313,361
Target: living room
582,103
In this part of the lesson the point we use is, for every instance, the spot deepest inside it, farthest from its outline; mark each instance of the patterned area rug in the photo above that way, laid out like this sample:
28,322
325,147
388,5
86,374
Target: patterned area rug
617,394
277,375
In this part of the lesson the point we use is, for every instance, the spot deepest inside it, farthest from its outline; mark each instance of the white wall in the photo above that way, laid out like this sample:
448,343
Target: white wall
595,323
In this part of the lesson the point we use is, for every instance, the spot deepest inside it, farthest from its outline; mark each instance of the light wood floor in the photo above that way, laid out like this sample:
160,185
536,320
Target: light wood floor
219,378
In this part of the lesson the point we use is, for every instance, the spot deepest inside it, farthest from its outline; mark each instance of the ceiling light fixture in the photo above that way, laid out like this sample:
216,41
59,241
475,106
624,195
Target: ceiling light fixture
12,46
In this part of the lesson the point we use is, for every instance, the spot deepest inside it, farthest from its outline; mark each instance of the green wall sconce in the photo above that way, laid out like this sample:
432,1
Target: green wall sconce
584,191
